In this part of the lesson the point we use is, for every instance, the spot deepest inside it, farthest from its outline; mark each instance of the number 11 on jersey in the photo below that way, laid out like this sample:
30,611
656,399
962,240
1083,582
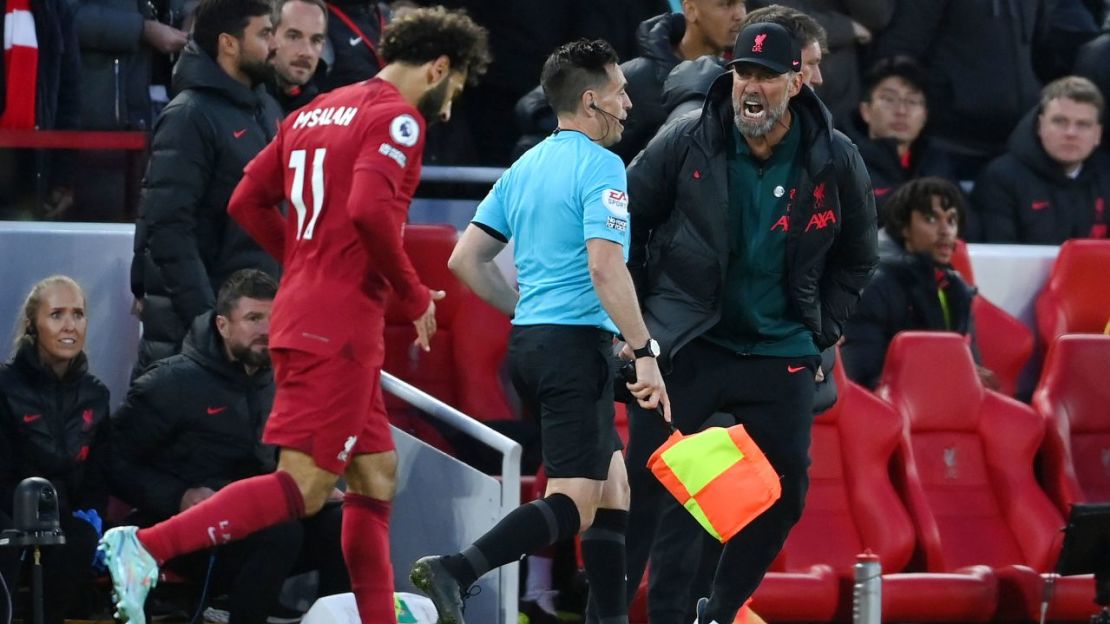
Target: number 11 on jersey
296,193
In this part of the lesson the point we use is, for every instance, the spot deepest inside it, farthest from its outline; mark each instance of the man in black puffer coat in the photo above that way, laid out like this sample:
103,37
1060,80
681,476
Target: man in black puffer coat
185,243
753,235
665,41
192,424
1053,184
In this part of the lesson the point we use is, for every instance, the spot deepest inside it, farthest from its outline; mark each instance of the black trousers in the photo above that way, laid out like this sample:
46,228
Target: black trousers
252,571
773,398
66,569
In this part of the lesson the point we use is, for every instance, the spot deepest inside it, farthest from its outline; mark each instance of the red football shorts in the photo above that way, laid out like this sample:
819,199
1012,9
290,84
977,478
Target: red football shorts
329,407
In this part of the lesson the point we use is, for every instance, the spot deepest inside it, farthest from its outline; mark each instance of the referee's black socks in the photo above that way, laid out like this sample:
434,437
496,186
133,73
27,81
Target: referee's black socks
603,557
525,530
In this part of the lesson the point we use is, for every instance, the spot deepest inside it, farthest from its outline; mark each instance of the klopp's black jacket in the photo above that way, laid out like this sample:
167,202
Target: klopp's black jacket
185,243
192,420
54,428
678,194
1024,196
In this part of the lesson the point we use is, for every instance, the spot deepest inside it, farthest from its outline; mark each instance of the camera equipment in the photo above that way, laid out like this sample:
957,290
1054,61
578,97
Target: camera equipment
1087,549
35,516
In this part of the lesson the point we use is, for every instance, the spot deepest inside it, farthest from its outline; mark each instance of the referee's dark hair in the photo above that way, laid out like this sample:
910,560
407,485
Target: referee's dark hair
917,196
250,283
573,68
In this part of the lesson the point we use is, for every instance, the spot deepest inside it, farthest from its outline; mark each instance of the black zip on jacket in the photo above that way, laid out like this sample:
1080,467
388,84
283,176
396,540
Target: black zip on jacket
1024,196
54,428
192,420
678,193
186,245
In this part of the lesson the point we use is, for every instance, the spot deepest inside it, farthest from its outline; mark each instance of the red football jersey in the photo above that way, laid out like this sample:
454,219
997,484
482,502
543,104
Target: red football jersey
347,165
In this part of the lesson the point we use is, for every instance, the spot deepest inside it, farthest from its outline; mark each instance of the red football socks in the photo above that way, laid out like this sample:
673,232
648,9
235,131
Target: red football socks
366,550
235,512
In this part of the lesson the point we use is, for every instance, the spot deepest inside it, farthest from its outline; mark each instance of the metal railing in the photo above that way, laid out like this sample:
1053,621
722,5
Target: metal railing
510,468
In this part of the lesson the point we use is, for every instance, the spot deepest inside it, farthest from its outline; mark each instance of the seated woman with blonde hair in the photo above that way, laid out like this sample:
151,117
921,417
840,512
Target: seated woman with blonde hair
54,424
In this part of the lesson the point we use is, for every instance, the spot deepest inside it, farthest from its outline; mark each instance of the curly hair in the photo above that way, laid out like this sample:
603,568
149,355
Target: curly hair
573,68
917,196
426,34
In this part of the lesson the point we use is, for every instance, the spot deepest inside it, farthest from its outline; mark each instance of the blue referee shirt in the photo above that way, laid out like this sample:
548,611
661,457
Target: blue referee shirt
558,195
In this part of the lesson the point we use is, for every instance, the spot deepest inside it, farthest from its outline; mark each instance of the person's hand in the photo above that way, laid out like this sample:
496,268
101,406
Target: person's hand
625,352
195,496
988,378
137,307
863,35
820,376
426,324
649,389
165,39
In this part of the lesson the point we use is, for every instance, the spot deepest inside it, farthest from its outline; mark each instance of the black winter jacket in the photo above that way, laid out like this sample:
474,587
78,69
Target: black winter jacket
645,74
192,420
116,64
54,428
884,165
678,192
902,297
290,102
185,243
347,59
978,56
1024,196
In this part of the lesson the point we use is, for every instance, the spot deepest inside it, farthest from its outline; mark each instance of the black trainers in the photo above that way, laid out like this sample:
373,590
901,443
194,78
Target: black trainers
430,576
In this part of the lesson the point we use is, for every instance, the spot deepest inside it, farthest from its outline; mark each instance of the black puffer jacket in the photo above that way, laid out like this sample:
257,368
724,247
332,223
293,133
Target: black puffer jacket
1024,196
185,243
884,165
678,194
192,420
902,297
347,59
978,56
54,428
645,74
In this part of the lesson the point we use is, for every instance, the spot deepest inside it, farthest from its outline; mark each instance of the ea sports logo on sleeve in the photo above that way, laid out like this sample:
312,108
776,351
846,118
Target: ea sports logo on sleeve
404,130
615,202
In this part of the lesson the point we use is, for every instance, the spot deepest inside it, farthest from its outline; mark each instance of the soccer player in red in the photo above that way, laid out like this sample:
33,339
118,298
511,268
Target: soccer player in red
347,164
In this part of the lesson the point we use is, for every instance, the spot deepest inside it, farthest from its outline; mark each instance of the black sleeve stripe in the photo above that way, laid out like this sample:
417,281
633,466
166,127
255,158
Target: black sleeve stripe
492,232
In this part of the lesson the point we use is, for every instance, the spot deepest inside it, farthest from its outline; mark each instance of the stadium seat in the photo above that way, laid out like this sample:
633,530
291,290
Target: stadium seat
852,506
1074,398
967,477
1005,343
1075,298
463,369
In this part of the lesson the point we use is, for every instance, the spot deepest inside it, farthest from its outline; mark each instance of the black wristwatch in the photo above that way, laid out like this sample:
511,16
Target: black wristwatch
651,349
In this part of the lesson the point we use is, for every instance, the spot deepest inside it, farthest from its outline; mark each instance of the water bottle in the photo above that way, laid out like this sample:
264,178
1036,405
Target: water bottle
867,593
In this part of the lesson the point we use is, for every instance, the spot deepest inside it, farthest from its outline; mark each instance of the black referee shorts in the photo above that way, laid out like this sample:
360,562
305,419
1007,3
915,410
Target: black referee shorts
562,374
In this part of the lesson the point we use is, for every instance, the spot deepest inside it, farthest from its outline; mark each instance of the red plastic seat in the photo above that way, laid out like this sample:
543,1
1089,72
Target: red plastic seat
463,368
1074,398
1075,299
967,477
852,506
1005,343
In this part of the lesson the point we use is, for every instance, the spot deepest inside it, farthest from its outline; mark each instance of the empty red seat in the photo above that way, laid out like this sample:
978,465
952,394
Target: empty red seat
1074,398
1075,299
967,477
1005,343
463,369
852,506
